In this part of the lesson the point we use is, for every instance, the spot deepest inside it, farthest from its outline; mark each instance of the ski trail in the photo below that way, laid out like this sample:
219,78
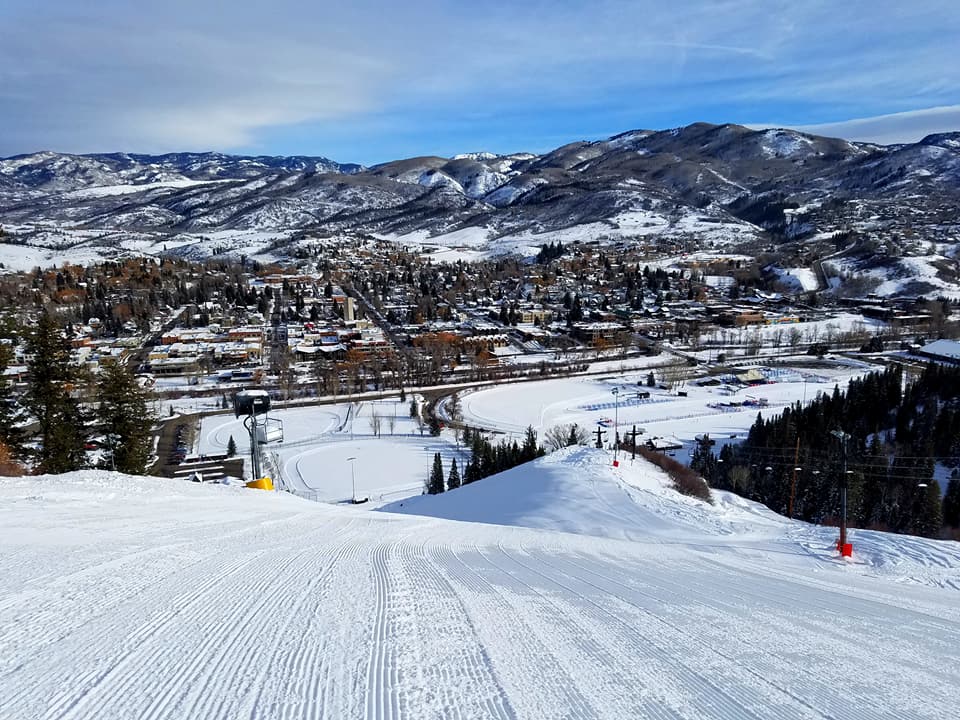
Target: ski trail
520,644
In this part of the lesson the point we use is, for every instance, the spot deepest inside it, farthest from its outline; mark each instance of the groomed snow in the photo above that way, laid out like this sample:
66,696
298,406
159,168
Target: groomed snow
130,597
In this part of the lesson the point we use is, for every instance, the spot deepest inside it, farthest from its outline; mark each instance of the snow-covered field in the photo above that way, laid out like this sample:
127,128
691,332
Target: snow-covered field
313,459
319,440
588,401
145,598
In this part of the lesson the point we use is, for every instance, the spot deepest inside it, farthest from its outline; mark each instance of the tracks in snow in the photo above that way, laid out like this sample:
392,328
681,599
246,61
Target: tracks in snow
333,613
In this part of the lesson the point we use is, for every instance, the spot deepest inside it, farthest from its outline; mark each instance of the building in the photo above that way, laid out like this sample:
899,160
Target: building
942,350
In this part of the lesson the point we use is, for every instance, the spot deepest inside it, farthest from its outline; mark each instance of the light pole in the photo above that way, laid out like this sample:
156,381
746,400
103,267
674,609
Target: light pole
616,425
793,490
353,480
842,544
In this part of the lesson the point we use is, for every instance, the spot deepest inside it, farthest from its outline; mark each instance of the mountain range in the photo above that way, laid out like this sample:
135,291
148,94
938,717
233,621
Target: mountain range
705,185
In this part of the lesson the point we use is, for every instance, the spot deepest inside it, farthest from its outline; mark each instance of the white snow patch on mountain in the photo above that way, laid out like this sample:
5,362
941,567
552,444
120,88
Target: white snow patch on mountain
784,143
107,190
798,279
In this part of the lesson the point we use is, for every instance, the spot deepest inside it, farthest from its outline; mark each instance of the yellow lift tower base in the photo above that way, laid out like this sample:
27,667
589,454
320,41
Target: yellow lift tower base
263,483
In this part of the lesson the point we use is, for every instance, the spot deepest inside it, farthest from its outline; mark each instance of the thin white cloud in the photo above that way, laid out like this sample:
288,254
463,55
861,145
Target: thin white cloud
890,129
207,74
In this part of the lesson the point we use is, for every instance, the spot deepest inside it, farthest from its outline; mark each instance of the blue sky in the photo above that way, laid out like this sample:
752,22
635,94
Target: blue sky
374,81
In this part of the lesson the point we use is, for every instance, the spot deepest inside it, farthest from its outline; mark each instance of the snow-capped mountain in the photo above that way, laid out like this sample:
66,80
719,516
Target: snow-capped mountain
702,184
52,172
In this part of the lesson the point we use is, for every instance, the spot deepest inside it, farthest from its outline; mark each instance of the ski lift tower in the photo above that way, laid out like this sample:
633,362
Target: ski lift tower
254,406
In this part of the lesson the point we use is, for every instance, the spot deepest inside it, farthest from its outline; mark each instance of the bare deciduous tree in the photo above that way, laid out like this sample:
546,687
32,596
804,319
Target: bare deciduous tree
561,436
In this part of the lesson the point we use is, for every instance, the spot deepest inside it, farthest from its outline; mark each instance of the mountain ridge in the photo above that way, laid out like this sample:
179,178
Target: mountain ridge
700,185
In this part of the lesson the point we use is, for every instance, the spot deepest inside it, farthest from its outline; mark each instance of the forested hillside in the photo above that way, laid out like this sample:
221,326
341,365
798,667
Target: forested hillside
898,438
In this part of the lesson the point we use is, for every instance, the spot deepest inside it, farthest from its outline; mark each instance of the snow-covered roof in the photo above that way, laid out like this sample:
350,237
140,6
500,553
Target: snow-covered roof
943,348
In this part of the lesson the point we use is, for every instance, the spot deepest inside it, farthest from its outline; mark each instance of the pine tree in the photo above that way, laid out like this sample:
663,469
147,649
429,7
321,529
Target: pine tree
49,401
231,447
453,479
125,417
471,473
530,448
929,518
951,503
435,483
9,412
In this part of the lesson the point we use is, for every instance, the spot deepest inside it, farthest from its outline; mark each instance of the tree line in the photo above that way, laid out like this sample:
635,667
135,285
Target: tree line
883,436
52,424
486,458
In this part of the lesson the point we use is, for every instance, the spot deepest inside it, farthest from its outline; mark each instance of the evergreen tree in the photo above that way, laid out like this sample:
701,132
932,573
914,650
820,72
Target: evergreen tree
928,519
231,447
125,417
9,413
530,448
435,482
453,479
471,473
704,461
49,400
951,503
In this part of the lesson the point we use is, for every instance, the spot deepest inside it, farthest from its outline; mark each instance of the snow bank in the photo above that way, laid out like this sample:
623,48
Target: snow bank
575,490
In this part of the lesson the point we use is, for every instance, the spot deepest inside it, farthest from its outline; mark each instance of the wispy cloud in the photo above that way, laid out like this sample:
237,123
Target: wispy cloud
321,77
893,128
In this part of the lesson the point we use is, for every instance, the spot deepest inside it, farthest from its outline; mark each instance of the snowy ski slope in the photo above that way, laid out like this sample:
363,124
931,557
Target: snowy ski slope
144,598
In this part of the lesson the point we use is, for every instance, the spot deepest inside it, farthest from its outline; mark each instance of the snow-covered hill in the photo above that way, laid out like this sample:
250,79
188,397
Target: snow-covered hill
577,490
130,597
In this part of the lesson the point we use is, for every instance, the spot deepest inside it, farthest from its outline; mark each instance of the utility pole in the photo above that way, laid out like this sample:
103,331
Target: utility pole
793,483
842,437
633,443
600,434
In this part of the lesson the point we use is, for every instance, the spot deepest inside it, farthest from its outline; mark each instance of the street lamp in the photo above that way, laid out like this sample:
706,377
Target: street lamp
353,480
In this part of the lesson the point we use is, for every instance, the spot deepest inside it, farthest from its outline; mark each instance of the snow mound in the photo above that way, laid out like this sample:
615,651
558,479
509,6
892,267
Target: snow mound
577,490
